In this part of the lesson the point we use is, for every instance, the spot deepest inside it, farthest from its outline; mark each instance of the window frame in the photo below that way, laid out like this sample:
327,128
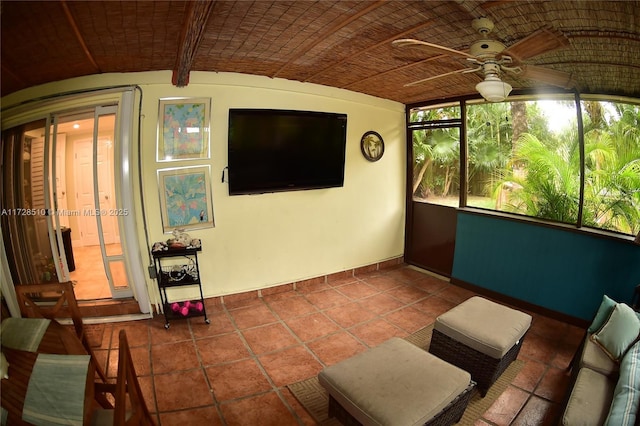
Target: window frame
526,95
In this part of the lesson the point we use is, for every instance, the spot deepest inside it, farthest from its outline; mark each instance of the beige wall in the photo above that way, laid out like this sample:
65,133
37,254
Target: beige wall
265,240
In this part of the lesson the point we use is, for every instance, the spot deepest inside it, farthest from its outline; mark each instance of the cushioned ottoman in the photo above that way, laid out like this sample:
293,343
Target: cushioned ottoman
396,383
481,337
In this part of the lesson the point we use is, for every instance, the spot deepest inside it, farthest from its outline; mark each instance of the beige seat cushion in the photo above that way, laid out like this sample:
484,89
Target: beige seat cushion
395,383
486,326
595,358
590,399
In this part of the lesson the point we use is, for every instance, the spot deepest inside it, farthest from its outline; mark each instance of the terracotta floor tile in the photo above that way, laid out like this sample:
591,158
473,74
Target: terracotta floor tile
178,331
539,412
292,307
269,338
431,284
137,334
357,290
548,327
180,390
174,357
405,274
290,365
383,282
197,416
141,360
507,406
434,305
146,385
553,385
530,375
350,314
327,298
538,348
455,294
220,323
381,303
407,294
564,355
376,332
223,348
312,326
252,316
336,347
237,379
410,319
263,410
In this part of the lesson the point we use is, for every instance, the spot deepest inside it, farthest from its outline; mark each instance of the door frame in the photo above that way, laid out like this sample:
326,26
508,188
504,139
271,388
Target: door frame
44,108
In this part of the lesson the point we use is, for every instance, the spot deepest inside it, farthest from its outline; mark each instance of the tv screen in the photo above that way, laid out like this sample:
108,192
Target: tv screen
281,150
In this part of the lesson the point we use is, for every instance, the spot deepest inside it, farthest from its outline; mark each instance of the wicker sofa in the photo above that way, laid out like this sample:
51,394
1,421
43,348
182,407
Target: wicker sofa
606,370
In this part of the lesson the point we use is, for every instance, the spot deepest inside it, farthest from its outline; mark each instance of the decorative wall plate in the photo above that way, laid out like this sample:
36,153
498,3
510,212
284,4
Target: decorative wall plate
372,146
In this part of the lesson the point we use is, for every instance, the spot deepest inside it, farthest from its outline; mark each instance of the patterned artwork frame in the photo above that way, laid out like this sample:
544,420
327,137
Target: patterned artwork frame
183,129
185,198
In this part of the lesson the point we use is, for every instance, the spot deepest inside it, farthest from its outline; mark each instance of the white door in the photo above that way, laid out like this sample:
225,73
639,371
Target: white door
85,199
98,219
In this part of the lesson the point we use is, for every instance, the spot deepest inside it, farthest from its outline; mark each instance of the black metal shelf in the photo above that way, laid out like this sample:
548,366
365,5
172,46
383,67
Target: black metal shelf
179,275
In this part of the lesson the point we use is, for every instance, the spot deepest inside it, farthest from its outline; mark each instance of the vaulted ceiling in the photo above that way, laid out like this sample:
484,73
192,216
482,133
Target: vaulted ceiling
344,44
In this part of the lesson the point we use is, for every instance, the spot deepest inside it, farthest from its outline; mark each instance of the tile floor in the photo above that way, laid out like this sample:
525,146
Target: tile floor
235,370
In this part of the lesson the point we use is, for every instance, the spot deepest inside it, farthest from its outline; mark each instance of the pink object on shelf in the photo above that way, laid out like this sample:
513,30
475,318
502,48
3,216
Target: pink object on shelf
175,306
198,306
184,311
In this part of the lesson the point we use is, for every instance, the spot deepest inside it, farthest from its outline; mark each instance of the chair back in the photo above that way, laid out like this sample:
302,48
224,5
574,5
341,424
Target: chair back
50,300
130,408
56,300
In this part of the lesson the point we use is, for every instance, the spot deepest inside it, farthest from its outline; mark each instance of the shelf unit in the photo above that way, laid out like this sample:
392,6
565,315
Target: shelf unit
171,272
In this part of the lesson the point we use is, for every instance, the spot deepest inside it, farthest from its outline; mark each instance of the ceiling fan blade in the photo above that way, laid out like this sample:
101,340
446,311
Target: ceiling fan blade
542,41
547,75
462,71
403,42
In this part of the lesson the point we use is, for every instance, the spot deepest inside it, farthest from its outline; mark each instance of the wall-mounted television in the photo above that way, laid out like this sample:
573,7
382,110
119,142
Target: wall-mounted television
281,150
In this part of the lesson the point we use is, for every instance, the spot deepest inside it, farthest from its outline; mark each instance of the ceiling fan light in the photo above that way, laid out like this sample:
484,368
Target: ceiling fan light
493,89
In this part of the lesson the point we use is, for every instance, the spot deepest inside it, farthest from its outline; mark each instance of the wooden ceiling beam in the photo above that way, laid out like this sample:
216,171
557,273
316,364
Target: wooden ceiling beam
76,31
192,29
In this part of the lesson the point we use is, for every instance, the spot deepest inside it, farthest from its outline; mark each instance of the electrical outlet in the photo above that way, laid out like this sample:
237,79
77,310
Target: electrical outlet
152,272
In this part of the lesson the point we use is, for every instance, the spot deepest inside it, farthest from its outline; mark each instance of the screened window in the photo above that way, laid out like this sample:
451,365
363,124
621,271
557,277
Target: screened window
527,157
435,135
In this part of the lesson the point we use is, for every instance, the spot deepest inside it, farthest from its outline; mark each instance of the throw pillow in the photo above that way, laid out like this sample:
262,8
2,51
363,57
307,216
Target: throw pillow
619,332
604,311
626,396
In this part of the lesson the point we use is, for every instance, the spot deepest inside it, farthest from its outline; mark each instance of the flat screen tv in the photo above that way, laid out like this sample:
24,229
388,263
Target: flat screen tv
281,150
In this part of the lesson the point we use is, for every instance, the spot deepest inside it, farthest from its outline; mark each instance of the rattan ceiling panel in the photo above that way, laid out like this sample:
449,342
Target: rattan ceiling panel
344,44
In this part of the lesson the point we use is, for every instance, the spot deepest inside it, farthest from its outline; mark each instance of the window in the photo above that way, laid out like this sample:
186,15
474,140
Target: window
525,158
612,165
436,155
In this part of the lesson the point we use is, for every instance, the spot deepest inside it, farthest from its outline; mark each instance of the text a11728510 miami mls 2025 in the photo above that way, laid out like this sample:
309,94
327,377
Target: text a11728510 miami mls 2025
63,212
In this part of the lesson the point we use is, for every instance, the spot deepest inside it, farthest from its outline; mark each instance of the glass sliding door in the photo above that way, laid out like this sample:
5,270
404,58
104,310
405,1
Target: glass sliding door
60,217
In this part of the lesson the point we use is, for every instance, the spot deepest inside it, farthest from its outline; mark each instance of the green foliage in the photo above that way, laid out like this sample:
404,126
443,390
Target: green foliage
538,173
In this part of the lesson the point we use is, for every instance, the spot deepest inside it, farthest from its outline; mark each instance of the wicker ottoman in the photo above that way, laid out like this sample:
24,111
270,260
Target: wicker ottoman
481,337
396,384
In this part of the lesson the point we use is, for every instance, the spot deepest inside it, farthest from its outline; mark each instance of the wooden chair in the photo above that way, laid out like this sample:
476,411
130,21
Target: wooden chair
56,300
130,408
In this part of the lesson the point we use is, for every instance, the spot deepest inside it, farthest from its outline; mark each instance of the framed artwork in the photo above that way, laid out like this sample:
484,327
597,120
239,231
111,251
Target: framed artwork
183,129
185,198
372,146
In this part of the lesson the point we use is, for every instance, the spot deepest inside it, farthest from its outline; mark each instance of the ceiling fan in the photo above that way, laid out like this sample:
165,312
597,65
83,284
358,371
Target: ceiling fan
493,59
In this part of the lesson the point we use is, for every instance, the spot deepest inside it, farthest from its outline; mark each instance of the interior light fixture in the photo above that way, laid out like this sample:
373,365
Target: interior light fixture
493,89
76,126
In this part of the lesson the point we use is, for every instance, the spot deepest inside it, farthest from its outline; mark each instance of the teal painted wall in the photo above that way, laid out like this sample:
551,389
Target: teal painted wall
560,270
